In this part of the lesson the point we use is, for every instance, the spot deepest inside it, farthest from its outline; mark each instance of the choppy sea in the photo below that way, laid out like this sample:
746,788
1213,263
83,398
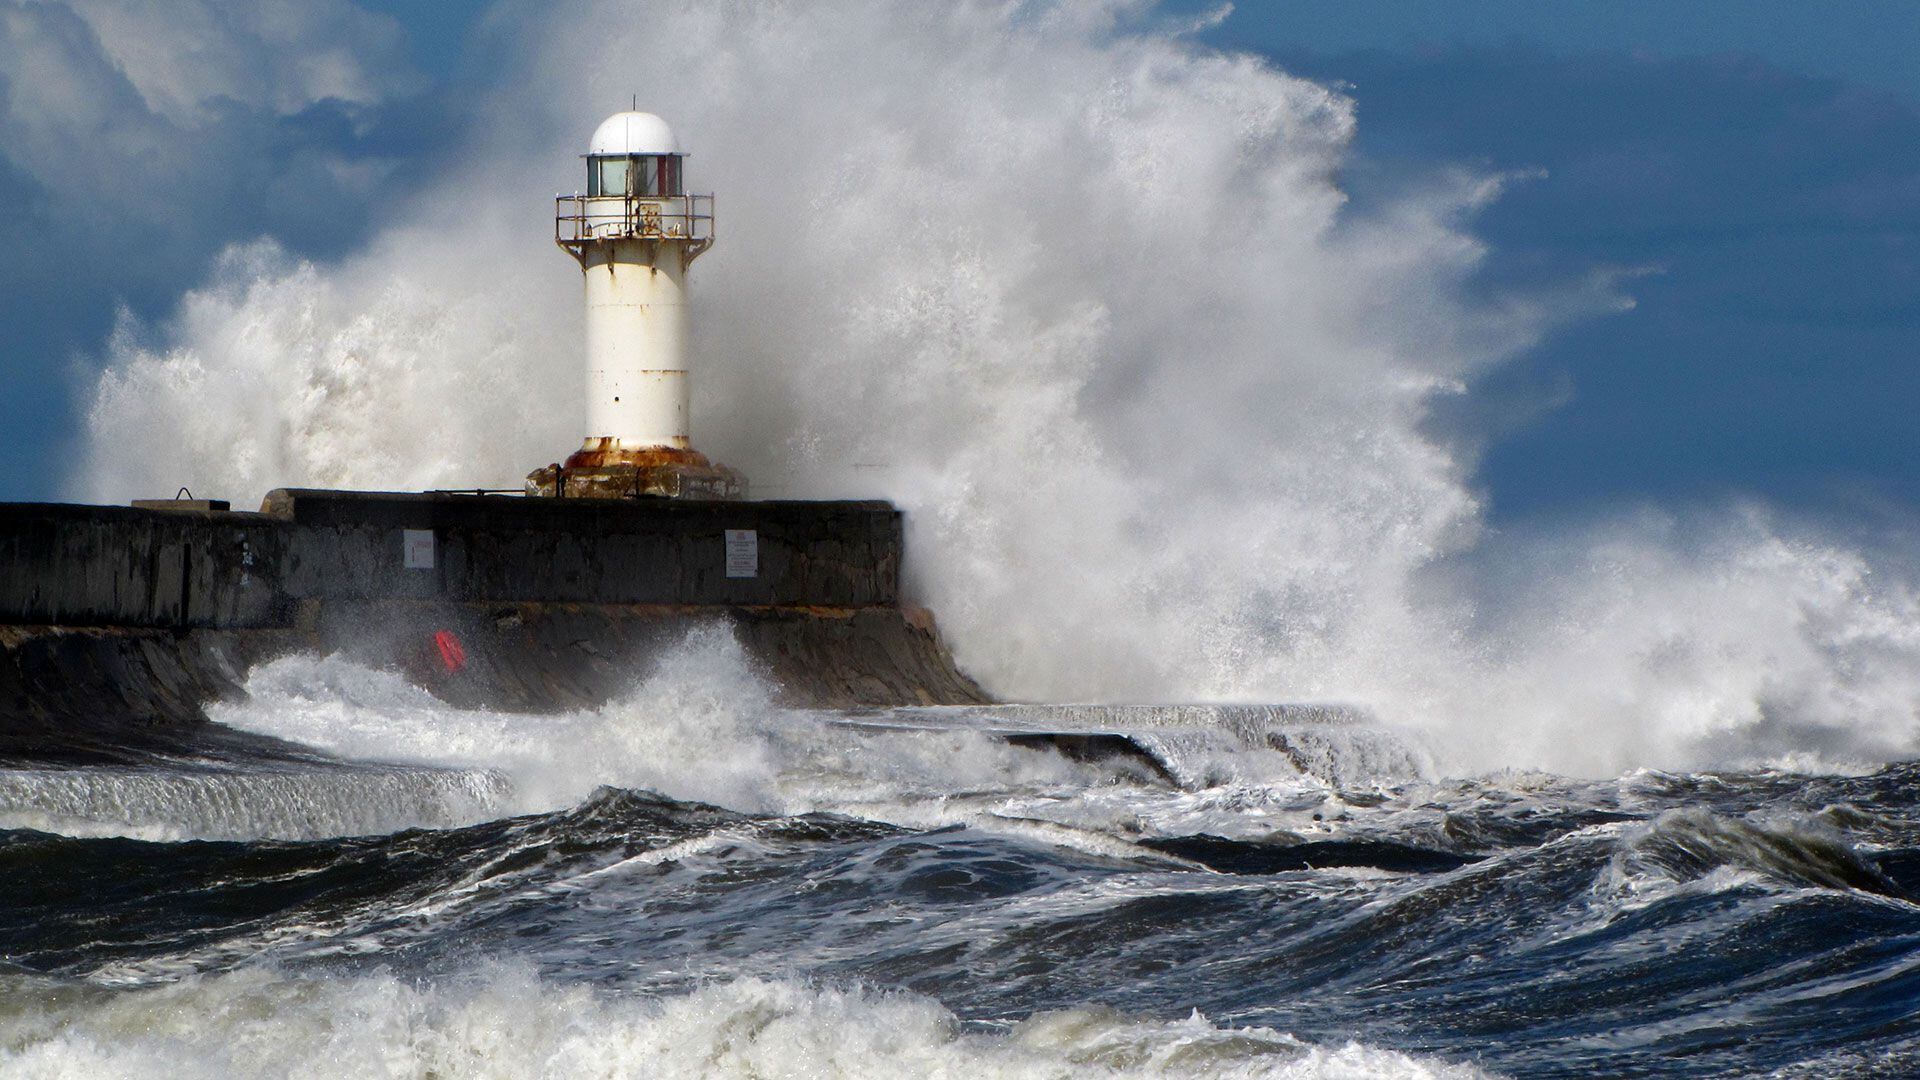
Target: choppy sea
354,879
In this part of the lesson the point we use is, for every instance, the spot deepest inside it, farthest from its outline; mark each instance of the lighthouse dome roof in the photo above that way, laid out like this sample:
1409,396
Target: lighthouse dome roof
633,133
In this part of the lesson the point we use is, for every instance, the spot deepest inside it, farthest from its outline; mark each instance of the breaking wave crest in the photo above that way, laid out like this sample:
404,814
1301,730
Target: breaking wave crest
704,725
1687,845
353,750
509,1024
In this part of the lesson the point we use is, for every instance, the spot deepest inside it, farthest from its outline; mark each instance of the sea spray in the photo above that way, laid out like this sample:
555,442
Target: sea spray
1087,301
704,725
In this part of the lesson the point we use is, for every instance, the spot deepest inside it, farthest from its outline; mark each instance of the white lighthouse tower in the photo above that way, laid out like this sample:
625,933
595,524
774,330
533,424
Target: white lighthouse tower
635,233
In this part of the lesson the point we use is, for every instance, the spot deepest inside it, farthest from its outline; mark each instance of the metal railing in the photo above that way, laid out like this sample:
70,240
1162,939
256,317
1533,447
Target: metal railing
581,219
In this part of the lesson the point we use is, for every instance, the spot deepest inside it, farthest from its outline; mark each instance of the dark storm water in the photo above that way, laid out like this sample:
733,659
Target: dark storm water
1654,925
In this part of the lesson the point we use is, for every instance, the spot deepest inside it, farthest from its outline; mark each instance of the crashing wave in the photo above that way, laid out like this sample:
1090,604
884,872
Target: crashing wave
509,1024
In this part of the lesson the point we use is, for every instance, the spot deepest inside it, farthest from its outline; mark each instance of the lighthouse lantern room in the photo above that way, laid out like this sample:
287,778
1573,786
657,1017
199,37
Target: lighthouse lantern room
635,232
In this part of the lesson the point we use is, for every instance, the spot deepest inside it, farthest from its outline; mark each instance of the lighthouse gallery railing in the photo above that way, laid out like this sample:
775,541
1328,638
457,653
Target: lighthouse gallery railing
578,219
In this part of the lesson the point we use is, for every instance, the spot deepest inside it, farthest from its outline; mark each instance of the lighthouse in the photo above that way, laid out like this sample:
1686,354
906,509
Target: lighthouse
635,233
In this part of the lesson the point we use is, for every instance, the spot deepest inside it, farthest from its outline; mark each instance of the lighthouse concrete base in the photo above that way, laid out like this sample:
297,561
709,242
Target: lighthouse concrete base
638,482
603,471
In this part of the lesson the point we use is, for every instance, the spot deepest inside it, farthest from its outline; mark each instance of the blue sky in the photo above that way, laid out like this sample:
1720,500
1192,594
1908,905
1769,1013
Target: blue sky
1753,167
1757,164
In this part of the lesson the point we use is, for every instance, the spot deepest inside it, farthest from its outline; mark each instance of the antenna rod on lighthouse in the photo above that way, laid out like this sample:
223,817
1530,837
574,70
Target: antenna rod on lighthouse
635,233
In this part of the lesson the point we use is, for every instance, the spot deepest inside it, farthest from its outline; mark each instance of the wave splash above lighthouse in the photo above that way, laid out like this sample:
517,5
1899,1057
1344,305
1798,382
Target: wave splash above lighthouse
635,232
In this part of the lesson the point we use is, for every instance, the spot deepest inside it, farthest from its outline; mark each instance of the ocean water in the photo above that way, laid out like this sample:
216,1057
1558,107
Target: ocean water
694,881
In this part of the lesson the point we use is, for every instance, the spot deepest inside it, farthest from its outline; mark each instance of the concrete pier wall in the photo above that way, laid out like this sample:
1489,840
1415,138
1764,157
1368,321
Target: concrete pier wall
119,566
142,614
829,554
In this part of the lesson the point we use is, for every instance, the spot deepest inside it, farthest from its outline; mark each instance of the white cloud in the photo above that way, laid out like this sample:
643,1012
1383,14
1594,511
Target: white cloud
124,111
185,56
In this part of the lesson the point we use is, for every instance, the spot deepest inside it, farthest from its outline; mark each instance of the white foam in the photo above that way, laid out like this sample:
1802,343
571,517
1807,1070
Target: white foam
705,727
508,1024
284,803
699,729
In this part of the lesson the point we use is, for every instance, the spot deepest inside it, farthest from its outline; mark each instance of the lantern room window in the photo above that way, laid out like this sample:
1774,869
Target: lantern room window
607,175
641,175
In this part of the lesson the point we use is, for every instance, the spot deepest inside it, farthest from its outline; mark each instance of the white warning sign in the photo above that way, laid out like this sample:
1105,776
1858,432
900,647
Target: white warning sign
418,544
743,553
